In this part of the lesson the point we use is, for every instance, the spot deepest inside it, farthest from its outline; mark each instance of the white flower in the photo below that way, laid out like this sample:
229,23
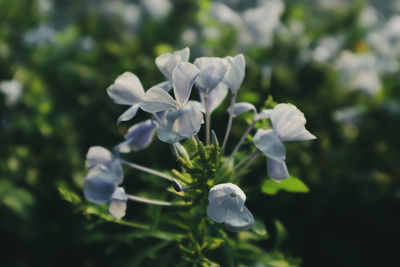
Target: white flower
101,183
13,91
287,125
226,205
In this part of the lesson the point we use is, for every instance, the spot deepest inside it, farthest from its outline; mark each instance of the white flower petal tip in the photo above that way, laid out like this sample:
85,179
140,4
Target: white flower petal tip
166,63
235,75
126,89
288,123
183,78
226,204
128,114
242,107
138,137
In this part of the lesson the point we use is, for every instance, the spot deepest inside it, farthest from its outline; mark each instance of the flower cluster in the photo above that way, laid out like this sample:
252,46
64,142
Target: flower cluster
175,118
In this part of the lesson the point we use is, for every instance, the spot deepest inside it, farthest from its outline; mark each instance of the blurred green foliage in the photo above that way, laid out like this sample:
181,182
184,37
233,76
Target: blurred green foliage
348,218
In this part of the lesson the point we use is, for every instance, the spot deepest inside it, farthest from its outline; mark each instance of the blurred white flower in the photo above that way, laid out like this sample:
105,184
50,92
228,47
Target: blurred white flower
359,71
327,48
256,25
45,6
347,115
386,42
131,15
226,15
158,9
189,37
368,17
211,32
87,43
12,90
262,21
40,35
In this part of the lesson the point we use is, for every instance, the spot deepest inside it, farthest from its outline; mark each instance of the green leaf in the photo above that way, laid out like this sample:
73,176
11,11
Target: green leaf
291,184
281,234
68,195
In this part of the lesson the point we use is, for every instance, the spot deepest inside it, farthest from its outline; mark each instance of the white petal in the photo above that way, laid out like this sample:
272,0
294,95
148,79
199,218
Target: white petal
216,211
238,219
126,90
180,124
117,209
220,191
212,72
119,194
157,99
138,137
197,105
269,143
98,155
288,122
216,96
235,75
99,185
242,107
166,63
277,170
183,78
128,114
302,135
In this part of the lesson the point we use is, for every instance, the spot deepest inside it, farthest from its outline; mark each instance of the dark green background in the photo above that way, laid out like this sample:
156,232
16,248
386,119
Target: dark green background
349,217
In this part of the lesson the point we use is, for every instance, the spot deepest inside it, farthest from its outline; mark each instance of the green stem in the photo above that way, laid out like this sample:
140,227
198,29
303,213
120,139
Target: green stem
229,126
208,119
149,201
252,160
147,170
246,133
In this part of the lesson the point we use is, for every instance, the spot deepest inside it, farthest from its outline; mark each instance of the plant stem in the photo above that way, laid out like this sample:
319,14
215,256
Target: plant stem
254,157
244,160
149,201
148,170
246,133
228,128
208,119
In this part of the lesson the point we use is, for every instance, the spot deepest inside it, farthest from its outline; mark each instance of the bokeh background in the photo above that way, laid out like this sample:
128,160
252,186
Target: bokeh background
338,61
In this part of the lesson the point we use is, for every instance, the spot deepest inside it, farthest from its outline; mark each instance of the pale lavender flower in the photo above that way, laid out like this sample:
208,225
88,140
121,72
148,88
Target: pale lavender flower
101,183
183,120
287,125
212,72
226,205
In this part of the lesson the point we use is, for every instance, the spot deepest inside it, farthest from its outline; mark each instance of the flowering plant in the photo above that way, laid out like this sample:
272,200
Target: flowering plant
205,192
